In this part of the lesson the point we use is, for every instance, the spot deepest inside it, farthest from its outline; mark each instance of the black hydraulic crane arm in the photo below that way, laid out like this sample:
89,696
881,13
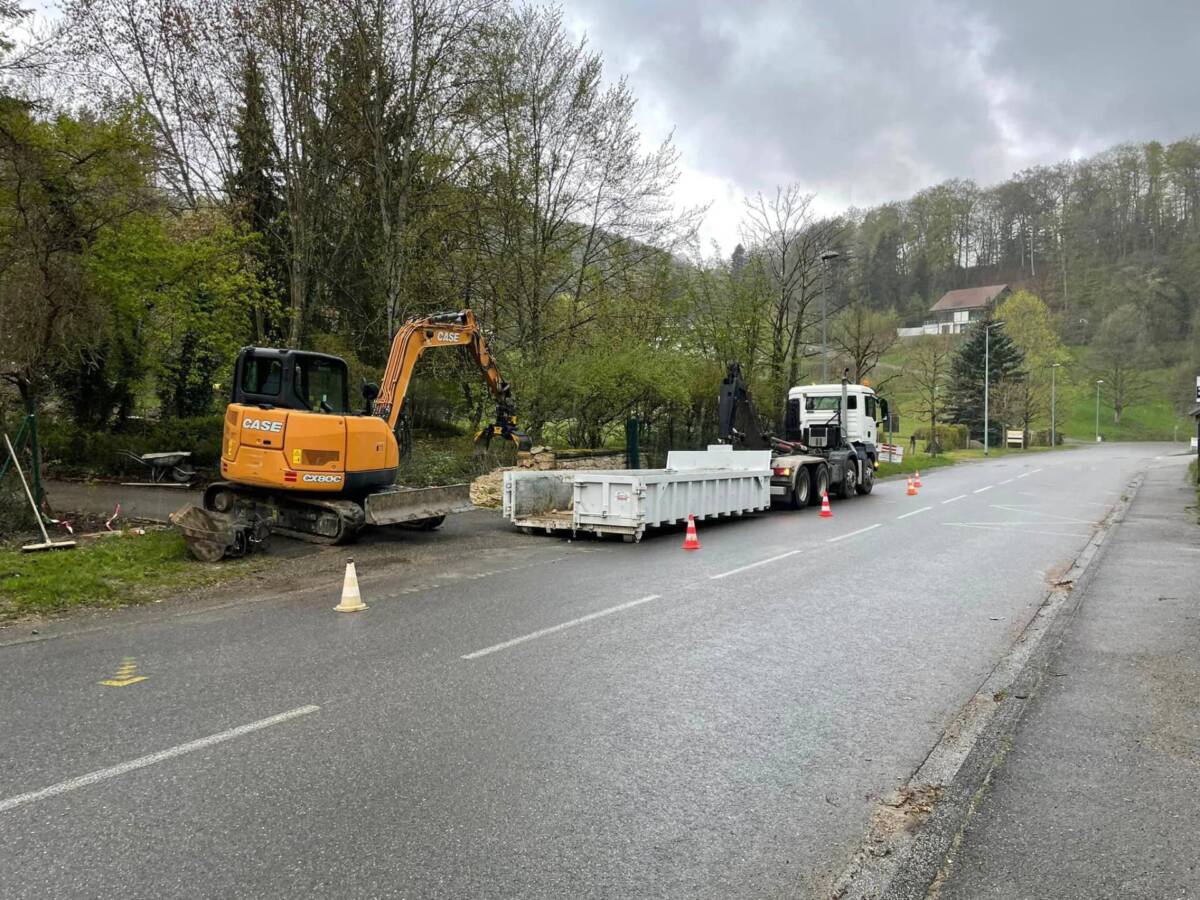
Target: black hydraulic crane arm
737,419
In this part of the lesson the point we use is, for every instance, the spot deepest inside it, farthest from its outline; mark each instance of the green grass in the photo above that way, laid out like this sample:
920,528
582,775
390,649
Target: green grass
921,461
1155,419
106,572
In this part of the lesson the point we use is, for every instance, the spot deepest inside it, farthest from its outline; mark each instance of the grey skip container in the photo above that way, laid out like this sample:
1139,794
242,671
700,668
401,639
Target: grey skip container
719,481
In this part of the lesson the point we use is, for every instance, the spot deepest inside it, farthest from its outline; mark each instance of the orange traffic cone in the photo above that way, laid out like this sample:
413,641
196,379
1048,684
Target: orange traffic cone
912,487
917,479
691,542
351,600
826,512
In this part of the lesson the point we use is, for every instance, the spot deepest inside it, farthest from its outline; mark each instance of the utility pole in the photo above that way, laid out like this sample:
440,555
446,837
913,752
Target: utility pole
987,377
1053,405
1099,381
826,257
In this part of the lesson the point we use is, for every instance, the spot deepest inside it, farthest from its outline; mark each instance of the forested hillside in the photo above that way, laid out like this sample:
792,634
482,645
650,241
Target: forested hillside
180,179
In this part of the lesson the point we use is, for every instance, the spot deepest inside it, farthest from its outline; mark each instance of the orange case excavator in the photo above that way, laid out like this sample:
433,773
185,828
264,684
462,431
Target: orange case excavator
295,456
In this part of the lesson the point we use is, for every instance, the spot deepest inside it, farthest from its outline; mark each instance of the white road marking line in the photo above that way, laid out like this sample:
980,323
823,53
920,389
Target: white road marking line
1024,474
495,648
1023,530
952,499
753,565
982,489
842,537
1008,481
1035,471
141,762
1025,510
914,512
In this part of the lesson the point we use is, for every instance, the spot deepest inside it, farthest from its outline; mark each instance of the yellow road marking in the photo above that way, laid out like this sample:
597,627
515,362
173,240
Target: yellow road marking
125,674
124,682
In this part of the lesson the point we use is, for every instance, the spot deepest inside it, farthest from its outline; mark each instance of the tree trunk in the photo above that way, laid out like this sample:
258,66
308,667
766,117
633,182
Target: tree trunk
297,290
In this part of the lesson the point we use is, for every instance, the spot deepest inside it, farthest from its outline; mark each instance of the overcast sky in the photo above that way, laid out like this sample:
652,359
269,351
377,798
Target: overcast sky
864,102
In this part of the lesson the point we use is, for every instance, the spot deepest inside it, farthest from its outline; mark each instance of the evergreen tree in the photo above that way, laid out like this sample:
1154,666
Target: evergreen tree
964,403
253,190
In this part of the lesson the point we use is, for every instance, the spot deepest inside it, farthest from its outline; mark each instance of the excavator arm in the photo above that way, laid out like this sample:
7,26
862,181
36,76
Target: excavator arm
737,419
447,329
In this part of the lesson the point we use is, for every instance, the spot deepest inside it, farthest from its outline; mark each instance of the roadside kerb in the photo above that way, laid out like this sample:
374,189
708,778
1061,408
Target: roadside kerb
935,803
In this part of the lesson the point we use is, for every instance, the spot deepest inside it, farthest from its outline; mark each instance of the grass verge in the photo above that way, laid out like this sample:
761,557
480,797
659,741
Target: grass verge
922,461
107,572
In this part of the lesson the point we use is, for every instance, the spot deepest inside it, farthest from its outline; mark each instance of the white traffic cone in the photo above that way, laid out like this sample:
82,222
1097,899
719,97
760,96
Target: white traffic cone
351,600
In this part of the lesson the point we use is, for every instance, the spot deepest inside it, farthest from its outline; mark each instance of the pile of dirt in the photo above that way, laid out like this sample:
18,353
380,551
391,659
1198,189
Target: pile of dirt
488,489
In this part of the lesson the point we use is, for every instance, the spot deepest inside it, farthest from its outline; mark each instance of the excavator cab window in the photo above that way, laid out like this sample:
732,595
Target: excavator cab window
262,376
320,384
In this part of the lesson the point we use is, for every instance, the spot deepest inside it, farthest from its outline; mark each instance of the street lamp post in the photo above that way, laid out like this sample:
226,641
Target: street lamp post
987,378
1099,381
1053,405
826,257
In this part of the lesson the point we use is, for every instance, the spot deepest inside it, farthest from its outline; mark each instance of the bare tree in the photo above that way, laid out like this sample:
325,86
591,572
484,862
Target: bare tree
564,205
785,233
928,374
863,336
177,58
418,75
1120,357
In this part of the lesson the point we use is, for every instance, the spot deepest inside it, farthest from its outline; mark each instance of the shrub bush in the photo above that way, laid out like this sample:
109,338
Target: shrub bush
949,437
68,448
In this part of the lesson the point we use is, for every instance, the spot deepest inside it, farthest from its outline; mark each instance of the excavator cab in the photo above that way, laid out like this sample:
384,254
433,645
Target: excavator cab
291,379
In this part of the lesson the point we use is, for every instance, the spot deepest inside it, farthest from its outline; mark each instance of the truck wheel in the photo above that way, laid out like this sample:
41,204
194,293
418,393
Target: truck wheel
867,482
821,483
802,489
849,480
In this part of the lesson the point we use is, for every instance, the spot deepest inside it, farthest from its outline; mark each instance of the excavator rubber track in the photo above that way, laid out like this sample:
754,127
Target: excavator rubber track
307,518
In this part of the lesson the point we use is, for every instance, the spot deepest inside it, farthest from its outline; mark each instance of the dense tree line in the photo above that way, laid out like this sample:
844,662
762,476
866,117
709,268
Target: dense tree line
181,177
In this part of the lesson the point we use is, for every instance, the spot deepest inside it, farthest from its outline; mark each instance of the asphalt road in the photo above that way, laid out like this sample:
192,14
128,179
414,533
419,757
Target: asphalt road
543,718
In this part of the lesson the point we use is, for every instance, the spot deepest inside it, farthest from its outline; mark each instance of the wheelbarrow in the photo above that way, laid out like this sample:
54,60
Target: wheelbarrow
176,465
211,536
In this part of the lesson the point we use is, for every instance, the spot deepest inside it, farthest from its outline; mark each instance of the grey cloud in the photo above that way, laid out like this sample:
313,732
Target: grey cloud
886,98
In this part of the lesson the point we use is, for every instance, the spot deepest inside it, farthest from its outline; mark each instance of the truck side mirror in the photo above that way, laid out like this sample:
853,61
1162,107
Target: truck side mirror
370,391
883,409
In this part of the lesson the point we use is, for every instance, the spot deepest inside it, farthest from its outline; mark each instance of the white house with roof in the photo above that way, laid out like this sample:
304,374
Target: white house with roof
958,310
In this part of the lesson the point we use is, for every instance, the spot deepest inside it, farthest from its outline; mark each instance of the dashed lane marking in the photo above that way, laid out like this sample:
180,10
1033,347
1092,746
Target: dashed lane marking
142,762
754,565
495,648
914,512
1008,481
982,489
842,537
952,499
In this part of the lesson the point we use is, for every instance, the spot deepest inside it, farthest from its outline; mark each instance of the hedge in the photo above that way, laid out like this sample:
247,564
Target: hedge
949,437
70,449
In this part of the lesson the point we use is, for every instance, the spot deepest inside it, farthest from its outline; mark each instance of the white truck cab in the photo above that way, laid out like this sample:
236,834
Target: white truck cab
818,404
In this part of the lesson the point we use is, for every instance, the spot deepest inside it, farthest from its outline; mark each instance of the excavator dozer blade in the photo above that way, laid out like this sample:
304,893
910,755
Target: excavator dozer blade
399,505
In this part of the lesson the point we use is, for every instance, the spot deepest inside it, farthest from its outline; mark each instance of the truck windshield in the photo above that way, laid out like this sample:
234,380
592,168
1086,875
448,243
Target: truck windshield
321,385
829,404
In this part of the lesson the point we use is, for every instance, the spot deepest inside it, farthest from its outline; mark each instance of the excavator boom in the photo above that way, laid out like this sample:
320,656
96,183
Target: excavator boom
446,329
